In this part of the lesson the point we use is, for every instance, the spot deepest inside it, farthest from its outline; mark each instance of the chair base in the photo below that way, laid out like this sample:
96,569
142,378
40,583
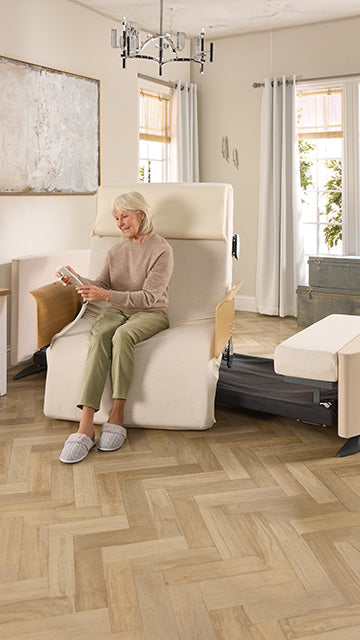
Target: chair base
351,446
40,364
252,384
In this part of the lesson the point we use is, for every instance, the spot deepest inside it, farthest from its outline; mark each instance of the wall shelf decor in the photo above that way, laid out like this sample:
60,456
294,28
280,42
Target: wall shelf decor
225,148
49,130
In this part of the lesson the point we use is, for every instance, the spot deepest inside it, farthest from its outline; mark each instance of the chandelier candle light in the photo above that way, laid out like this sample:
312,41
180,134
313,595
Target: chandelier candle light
129,42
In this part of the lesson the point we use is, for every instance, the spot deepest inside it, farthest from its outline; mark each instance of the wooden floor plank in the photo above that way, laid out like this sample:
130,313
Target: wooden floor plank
61,569
191,614
34,552
30,610
122,598
109,493
85,486
90,591
231,623
318,622
314,487
163,513
342,575
191,522
304,562
199,572
91,625
156,609
11,530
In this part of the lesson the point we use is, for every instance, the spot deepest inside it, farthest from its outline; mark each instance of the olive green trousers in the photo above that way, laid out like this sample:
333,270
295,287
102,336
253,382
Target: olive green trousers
113,338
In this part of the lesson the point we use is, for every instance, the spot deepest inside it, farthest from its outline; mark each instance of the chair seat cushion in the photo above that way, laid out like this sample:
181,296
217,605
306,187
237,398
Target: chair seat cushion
312,352
173,387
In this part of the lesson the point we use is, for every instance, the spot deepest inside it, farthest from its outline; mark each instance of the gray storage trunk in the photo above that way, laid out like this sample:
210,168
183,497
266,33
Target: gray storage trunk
334,287
335,272
315,303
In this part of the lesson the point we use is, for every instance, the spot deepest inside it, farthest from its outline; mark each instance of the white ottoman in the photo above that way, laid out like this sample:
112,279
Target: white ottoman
324,353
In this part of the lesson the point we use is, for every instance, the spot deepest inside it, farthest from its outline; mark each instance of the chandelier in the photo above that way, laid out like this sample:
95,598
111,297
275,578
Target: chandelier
128,40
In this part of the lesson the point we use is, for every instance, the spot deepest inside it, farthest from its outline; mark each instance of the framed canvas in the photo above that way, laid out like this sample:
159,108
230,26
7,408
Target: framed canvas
49,130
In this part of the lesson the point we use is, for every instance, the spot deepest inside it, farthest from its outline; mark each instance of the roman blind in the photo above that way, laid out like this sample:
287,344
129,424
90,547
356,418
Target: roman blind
319,114
154,120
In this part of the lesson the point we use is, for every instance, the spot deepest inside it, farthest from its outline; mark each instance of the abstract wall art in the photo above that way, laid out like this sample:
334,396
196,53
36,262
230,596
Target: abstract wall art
49,130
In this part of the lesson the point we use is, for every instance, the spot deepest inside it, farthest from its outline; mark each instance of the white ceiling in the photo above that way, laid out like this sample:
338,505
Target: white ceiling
223,17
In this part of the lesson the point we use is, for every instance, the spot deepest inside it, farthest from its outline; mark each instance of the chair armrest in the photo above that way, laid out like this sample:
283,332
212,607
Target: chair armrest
348,389
56,306
225,319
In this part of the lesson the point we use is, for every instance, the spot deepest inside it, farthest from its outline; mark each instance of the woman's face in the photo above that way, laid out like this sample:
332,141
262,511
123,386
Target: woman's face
129,223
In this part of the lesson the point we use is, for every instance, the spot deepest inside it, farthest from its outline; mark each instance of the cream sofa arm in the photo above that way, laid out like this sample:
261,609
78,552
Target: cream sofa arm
29,273
56,306
348,389
225,319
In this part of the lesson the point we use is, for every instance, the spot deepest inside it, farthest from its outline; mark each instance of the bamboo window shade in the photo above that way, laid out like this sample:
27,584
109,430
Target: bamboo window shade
319,114
154,117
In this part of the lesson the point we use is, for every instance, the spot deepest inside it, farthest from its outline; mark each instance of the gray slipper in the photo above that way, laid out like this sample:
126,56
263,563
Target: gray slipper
76,448
112,437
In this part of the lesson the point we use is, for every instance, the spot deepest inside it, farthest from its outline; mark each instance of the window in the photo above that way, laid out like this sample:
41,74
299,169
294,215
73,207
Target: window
328,137
154,136
320,138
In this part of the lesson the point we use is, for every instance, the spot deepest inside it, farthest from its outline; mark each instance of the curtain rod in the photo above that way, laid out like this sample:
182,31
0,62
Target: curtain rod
166,83
257,85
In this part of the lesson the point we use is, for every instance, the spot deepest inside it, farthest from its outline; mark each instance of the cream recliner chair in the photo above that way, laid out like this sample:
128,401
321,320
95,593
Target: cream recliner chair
176,371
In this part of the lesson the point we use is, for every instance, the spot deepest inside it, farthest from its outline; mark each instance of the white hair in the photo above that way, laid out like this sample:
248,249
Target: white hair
134,201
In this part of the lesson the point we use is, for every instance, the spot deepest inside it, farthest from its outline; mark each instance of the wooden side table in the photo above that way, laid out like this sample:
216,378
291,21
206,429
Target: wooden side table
3,339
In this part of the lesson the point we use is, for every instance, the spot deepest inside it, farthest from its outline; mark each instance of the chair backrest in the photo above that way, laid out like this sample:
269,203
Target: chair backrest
196,219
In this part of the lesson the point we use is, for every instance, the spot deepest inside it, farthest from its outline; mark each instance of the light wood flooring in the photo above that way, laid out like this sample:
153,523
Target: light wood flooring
247,531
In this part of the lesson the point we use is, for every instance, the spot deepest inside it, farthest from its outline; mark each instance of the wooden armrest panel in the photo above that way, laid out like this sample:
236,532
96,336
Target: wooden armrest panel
56,306
225,319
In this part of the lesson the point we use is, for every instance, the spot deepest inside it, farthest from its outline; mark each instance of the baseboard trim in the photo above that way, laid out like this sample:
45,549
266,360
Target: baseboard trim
245,303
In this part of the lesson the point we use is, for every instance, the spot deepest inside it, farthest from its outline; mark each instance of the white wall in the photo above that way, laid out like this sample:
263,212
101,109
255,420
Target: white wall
66,36
228,105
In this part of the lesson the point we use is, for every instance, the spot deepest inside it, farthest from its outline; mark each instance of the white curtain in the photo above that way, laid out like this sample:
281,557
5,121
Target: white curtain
184,134
280,259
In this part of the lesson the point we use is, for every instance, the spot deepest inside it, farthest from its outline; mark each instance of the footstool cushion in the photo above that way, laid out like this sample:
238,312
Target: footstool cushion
313,352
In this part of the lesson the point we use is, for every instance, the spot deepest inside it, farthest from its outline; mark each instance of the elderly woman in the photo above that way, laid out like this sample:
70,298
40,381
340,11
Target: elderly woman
134,283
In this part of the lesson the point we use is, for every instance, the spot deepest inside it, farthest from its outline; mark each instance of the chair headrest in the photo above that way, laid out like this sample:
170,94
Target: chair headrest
196,211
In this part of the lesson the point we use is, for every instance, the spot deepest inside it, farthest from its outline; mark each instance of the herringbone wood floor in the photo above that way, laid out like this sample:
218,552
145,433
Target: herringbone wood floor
248,531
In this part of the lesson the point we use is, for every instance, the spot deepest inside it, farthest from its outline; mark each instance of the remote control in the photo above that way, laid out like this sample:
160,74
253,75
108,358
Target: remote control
66,272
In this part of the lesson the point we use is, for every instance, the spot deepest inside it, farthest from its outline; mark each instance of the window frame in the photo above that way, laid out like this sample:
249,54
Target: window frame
165,159
351,157
164,92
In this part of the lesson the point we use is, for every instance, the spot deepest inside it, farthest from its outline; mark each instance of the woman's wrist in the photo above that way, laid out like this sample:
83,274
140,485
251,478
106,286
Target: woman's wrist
109,295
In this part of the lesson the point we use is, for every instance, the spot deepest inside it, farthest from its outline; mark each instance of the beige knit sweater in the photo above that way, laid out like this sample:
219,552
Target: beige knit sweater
138,275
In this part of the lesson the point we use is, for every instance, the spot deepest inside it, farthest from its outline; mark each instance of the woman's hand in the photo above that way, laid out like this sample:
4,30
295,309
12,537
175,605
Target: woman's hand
66,279
92,293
